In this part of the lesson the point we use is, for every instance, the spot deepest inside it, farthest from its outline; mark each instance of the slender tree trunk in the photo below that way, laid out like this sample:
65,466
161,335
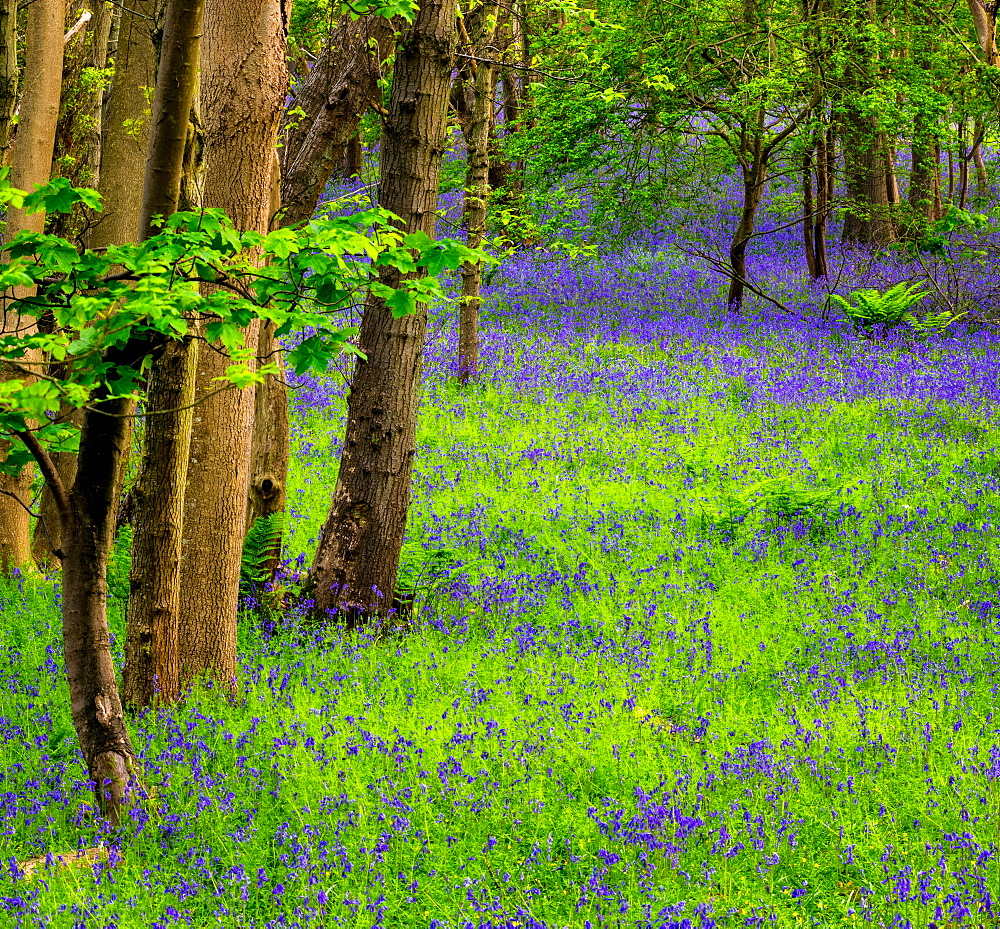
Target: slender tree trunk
342,85
754,180
8,72
47,540
477,188
924,195
126,130
982,177
31,159
823,172
354,571
963,164
176,86
808,213
96,706
243,87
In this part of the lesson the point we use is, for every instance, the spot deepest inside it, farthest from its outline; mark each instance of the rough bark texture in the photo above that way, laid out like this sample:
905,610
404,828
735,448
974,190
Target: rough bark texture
243,85
152,669
354,571
8,70
754,179
126,129
341,86
481,88
269,458
31,159
985,17
96,706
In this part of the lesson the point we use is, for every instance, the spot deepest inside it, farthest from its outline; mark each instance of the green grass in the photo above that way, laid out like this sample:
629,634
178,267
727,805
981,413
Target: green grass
819,688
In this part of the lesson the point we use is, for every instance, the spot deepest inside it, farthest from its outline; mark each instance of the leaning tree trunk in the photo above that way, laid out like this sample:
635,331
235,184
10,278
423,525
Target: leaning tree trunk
243,86
477,186
354,571
341,86
31,159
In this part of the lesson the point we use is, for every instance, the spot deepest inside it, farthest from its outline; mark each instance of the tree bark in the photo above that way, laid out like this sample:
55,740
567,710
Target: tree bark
243,87
176,86
152,670
96,705
8,72
481,89
985,18
808,213
31,159
126,130
341,86
354,571
754,180
924,195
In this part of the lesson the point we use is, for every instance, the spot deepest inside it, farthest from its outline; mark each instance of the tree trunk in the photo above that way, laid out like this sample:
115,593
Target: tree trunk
354,571
152,671
96,706
924,195
126,130
985,18
754,179
477,186
31,159
808,213
47,539
867,220
243,87
176,85
982,177
824,170
8,72
343,83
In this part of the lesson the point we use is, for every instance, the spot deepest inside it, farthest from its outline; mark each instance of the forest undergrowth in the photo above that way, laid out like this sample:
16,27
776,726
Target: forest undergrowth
706,634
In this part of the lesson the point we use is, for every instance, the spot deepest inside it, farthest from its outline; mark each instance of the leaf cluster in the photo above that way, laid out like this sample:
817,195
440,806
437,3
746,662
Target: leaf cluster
83,326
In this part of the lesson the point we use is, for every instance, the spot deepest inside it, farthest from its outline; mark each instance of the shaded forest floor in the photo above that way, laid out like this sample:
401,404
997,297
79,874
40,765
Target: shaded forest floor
713,639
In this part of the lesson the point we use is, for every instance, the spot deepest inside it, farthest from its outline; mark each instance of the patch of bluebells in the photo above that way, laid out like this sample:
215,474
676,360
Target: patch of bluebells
617,713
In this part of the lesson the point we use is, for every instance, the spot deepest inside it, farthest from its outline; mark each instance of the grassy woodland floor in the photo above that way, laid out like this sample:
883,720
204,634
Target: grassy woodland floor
721,649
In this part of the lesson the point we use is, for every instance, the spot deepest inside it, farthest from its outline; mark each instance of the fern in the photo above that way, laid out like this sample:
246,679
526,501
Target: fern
261,550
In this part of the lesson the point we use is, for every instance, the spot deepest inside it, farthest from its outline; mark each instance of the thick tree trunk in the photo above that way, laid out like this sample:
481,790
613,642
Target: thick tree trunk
152,670
823,172
477,185
243,87
354,571
31,159
867,219
341,86
985,18
8,72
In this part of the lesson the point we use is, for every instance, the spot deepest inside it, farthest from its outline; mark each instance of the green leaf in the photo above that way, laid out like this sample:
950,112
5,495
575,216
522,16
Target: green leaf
402,303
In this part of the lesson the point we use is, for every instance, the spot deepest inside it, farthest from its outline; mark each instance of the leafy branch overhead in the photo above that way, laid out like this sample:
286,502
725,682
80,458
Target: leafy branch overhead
95,305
